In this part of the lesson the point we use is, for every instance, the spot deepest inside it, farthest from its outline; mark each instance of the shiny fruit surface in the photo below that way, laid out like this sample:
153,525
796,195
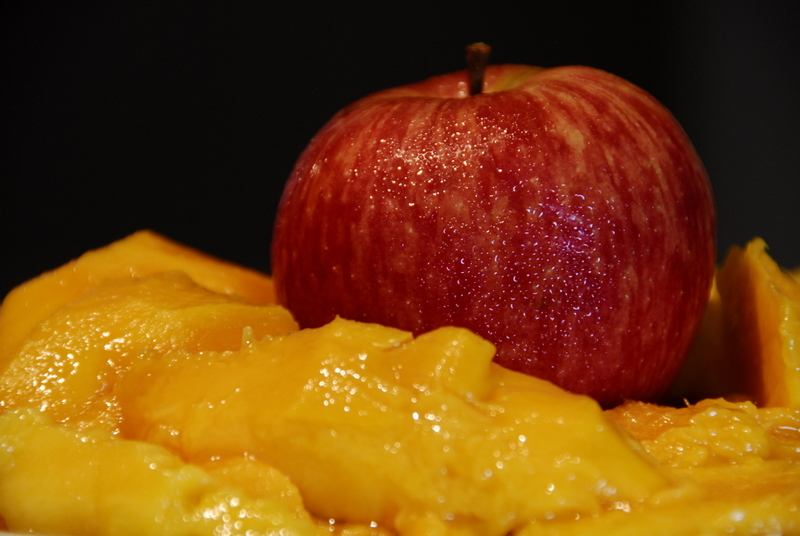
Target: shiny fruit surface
562,214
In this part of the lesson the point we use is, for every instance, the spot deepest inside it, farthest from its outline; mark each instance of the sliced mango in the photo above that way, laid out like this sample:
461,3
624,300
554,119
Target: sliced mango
745,459
141,253
104,485
748,345
423,436
363,430
761,326
69,363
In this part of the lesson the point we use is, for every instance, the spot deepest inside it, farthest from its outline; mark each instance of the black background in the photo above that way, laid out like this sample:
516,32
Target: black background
186,117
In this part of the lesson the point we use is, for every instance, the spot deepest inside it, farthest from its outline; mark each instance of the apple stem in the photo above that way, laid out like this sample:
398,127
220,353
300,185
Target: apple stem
477,60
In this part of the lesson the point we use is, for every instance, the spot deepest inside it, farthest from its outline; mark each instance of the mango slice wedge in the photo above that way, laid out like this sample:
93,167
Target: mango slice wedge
142,253
69,363
748,346
102,484
761,325
422,435
145,390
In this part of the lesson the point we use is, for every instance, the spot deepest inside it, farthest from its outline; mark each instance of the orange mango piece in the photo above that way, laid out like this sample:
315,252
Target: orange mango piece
761,308
58,480
142,253
744,458
419,435
69,363
748,345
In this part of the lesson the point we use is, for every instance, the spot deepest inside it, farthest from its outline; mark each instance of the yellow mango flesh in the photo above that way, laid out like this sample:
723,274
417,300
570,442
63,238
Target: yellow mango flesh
69,363
101,484
142,253
746,461
192,404
373,425
748,345
762,326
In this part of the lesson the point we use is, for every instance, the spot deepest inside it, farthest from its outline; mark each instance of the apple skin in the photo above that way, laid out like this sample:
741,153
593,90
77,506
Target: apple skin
562,214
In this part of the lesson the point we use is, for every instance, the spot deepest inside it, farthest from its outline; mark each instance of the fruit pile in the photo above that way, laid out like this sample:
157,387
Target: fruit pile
147,388
484,290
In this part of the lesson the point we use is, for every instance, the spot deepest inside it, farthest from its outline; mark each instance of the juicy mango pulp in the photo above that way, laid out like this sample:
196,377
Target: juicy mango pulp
69,363
152,405
142,253
749,343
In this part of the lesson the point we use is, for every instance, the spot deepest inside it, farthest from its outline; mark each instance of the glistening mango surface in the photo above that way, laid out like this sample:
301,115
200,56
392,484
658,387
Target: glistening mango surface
359,429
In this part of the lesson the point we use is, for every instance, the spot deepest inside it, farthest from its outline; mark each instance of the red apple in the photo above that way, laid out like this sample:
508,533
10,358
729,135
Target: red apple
562,214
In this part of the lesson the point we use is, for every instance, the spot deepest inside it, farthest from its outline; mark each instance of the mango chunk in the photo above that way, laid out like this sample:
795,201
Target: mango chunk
99,484
69,363
142,253
162,403
420,436
745,459
713,515
762,326
748,345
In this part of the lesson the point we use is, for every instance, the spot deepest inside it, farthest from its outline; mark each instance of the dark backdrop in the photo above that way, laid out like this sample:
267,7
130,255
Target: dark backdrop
187,117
